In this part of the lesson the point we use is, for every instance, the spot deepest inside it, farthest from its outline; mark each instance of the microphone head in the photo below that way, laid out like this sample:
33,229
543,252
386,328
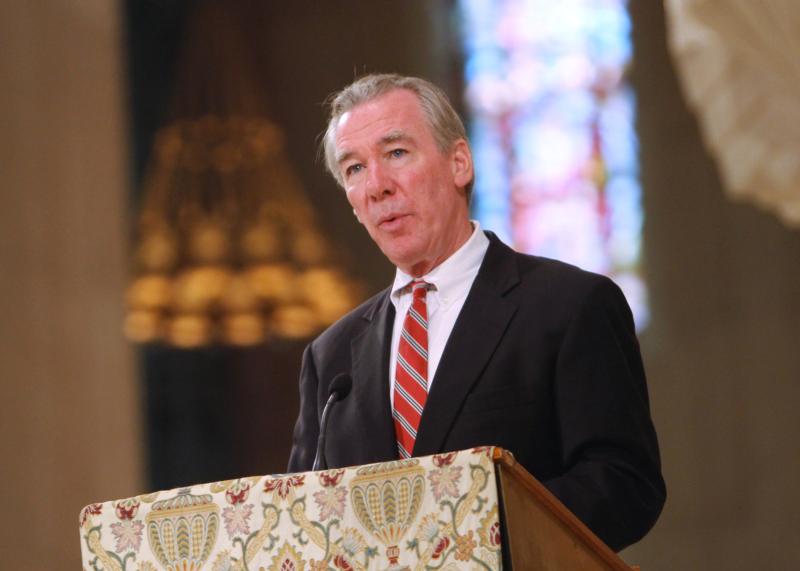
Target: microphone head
341,385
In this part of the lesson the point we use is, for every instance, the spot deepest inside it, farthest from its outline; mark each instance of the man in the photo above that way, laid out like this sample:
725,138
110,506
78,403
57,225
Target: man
474,344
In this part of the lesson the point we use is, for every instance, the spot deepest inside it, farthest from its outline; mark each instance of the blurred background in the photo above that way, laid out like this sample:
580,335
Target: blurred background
169,241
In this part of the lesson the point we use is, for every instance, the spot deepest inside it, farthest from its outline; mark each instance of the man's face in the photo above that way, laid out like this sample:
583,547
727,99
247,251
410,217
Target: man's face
403,189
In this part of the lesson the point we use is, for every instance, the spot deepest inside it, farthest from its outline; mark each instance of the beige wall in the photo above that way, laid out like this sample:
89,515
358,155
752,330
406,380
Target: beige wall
723,351
69,432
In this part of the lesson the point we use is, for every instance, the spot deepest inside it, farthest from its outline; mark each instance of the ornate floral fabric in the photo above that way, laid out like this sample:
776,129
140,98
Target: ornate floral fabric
437,512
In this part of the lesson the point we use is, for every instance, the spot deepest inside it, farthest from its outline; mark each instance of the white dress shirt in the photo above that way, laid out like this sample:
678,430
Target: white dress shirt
451,281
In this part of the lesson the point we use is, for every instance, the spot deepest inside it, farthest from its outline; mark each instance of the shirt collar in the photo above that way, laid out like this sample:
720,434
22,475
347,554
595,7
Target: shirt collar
450,277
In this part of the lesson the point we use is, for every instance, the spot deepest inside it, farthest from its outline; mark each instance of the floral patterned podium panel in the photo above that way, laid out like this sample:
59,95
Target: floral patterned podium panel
437,512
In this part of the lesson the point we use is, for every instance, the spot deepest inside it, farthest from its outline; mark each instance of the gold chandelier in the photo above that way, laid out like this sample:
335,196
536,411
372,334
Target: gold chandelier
227,249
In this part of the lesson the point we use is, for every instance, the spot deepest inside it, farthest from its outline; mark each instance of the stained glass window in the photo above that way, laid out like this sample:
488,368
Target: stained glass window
552,128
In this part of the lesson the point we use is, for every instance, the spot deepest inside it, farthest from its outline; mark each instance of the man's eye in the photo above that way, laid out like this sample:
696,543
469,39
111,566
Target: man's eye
353,169
398,152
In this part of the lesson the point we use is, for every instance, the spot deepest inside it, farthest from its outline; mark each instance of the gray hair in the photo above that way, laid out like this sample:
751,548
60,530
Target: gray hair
443,121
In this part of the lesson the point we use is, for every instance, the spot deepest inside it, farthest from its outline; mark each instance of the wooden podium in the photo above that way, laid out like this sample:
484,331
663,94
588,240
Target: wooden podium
539,533
474,509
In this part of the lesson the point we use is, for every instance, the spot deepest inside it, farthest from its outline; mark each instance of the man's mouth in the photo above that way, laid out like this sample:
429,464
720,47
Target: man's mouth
390,220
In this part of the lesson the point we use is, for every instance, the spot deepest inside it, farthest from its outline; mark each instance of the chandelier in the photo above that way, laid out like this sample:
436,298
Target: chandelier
227,249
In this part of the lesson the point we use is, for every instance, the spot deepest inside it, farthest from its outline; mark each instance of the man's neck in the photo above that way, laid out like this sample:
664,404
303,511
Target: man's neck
427,266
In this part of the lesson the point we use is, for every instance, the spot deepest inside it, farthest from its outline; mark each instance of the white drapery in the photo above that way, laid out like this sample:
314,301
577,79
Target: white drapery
739,64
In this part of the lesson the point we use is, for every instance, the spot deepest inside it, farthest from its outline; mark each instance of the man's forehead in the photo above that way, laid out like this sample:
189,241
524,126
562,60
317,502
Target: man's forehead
398,109
378,122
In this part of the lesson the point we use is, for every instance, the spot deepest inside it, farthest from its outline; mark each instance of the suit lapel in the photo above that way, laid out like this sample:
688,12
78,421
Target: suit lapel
478,330
370,358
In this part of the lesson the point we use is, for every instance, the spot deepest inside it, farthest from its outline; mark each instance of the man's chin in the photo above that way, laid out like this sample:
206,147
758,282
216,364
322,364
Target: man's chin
400,257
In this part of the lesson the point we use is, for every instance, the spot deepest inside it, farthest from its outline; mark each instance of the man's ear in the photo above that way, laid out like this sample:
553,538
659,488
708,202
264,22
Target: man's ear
461,163
356,215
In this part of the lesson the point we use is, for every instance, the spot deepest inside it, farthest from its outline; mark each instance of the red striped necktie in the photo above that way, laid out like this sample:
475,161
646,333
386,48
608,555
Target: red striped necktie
411,372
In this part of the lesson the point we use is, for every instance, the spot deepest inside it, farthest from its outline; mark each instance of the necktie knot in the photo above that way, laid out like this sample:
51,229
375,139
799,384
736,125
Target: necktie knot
419,289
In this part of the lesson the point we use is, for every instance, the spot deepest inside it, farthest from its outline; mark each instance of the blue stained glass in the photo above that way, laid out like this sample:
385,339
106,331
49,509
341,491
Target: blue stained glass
553,132
619,136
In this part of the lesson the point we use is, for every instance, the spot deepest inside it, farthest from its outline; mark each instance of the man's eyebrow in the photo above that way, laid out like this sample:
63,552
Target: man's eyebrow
387,139
340,158
395,136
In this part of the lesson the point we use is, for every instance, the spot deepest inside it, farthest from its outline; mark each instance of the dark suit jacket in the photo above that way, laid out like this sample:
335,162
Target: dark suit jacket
543,361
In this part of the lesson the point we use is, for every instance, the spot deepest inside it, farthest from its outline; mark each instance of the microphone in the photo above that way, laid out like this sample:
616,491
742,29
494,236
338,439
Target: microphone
338,390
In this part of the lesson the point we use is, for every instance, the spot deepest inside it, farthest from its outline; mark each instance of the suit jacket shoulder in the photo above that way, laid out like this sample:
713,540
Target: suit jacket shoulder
557,291
338,336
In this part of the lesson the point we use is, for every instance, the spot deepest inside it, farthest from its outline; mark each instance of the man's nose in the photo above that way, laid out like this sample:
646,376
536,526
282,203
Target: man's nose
379,183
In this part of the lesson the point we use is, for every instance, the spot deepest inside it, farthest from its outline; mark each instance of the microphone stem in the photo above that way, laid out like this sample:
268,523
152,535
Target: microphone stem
319,460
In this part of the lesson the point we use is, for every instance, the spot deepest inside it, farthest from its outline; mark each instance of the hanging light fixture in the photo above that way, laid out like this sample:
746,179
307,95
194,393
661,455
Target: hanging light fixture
227,249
